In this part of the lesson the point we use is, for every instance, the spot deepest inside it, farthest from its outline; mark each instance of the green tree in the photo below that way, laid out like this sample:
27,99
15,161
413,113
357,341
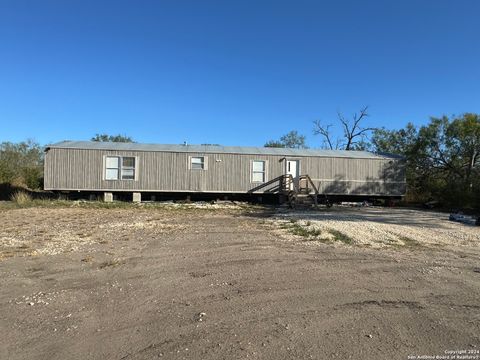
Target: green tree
274,144
21,164
443,158
464,143
112,138
291,140
403,142
398,142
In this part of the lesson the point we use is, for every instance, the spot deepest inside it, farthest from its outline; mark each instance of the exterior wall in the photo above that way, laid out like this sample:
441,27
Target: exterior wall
77,169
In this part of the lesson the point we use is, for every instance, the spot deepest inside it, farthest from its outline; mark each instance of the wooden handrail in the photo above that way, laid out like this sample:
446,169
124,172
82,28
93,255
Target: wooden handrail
278,185
288,180
309,180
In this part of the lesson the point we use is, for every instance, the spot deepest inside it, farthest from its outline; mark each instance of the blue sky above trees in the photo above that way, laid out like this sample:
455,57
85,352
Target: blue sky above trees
233,73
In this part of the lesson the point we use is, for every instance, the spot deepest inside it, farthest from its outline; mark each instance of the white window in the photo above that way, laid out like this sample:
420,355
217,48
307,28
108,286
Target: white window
112,168
258,171
197,163
117,167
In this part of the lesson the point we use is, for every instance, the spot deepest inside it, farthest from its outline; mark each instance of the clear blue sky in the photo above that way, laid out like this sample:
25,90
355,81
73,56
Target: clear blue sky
230,72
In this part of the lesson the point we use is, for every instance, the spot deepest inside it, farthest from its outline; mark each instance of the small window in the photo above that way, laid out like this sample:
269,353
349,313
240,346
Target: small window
197,163
258,171
117,167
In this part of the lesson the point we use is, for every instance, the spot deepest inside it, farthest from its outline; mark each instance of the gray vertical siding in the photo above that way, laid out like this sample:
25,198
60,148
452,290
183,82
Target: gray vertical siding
79,169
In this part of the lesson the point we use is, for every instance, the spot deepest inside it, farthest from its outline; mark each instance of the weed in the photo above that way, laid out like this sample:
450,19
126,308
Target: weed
409,242
340,236
299,230
87,259
110,263
6,254
21,198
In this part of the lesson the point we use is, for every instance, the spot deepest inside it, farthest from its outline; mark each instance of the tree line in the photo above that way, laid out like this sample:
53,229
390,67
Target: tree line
21,164
442,157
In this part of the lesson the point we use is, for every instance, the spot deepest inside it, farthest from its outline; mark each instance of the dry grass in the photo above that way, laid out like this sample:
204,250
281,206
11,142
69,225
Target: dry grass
87,259
32,231
110,263
21,198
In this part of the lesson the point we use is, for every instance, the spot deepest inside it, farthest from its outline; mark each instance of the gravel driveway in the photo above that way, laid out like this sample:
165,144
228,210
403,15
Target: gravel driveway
381,227
229,284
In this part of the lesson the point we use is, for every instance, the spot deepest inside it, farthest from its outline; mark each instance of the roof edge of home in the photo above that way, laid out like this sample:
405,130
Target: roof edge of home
242,150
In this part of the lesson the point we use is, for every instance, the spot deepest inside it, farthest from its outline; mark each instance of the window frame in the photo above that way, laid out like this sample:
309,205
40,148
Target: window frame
106,167
263,172
132,168
204,162
120,168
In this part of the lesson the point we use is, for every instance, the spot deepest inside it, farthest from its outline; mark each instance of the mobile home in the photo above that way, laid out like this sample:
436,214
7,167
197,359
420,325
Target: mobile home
114,168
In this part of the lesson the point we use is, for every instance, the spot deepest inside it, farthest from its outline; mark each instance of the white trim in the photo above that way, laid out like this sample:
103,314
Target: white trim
136,169
120,166
104,169
205,162
265,171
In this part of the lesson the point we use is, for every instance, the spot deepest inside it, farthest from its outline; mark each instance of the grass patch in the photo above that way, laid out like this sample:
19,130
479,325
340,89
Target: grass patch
409,242
340,236
299,230
21,198
24,200
304,231
313,234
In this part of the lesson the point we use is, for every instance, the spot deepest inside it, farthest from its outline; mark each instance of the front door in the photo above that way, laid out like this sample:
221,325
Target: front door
293,169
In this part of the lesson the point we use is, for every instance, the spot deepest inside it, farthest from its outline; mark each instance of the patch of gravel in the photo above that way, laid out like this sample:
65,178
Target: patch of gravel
384,227
33,231
233,205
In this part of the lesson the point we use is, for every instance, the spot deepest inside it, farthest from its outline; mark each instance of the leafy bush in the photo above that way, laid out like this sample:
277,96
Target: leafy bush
21,164
443,159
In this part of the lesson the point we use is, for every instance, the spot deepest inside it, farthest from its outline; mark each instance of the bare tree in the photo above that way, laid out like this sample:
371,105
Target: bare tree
324,131
354,135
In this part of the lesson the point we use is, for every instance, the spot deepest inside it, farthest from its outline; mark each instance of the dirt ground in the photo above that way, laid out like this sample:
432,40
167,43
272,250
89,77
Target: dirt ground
174,283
